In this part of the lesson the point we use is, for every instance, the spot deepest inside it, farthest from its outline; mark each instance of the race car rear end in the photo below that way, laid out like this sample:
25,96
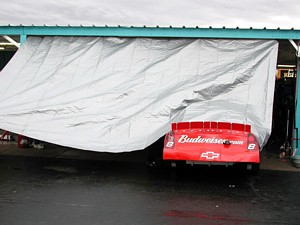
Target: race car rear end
212,143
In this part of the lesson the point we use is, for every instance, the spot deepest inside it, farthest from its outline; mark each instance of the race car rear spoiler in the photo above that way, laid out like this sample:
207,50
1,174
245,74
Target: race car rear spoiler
208,125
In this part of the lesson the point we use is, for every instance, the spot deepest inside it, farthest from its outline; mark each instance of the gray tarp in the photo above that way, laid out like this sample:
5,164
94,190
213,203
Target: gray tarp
122,94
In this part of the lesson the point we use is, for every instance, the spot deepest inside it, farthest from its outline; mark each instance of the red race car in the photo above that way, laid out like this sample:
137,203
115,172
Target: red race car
212,143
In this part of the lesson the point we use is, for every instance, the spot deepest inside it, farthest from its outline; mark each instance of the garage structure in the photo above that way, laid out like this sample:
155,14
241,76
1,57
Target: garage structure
286,119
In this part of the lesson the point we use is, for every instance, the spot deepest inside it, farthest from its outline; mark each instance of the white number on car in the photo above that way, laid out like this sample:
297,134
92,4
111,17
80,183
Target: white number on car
170,144
251,146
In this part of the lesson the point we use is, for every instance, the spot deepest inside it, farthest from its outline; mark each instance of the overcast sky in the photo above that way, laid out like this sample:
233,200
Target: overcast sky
191,13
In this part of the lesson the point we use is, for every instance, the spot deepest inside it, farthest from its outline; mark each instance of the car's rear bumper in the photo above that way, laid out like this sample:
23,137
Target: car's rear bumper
218,156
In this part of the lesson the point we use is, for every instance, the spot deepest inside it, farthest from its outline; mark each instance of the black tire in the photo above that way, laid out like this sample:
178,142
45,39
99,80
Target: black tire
255,167
180,169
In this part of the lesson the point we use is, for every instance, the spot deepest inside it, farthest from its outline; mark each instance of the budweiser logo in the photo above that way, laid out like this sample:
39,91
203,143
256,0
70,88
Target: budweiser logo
213,140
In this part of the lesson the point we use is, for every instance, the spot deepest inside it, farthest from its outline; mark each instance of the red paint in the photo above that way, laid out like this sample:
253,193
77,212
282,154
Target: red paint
211,142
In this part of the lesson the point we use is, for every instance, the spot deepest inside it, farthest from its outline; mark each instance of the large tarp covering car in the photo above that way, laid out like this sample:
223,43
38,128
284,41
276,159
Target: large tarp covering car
112,94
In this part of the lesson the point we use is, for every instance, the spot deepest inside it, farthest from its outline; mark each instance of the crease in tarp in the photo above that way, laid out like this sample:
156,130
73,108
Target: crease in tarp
112,94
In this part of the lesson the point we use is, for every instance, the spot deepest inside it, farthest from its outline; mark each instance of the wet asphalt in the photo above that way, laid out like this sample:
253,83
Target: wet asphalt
49,191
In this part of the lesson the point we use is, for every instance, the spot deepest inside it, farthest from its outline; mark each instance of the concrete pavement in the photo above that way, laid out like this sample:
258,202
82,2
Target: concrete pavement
61,152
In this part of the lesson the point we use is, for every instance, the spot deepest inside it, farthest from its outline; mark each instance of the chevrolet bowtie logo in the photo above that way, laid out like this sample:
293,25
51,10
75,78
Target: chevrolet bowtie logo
210,155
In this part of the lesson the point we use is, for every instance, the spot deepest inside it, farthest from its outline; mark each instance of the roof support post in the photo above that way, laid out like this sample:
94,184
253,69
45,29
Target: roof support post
11,41
22,38
296,137
296,142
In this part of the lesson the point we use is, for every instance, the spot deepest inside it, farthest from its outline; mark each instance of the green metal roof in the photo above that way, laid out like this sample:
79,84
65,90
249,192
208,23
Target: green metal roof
166,32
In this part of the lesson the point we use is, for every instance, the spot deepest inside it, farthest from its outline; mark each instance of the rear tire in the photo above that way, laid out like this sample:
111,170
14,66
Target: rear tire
253,168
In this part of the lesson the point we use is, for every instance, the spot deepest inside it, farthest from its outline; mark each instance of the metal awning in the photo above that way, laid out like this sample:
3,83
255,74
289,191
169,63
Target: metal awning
168,32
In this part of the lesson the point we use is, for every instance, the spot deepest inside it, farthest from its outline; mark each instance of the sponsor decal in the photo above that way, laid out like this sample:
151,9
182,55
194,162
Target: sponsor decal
210,155
213,140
